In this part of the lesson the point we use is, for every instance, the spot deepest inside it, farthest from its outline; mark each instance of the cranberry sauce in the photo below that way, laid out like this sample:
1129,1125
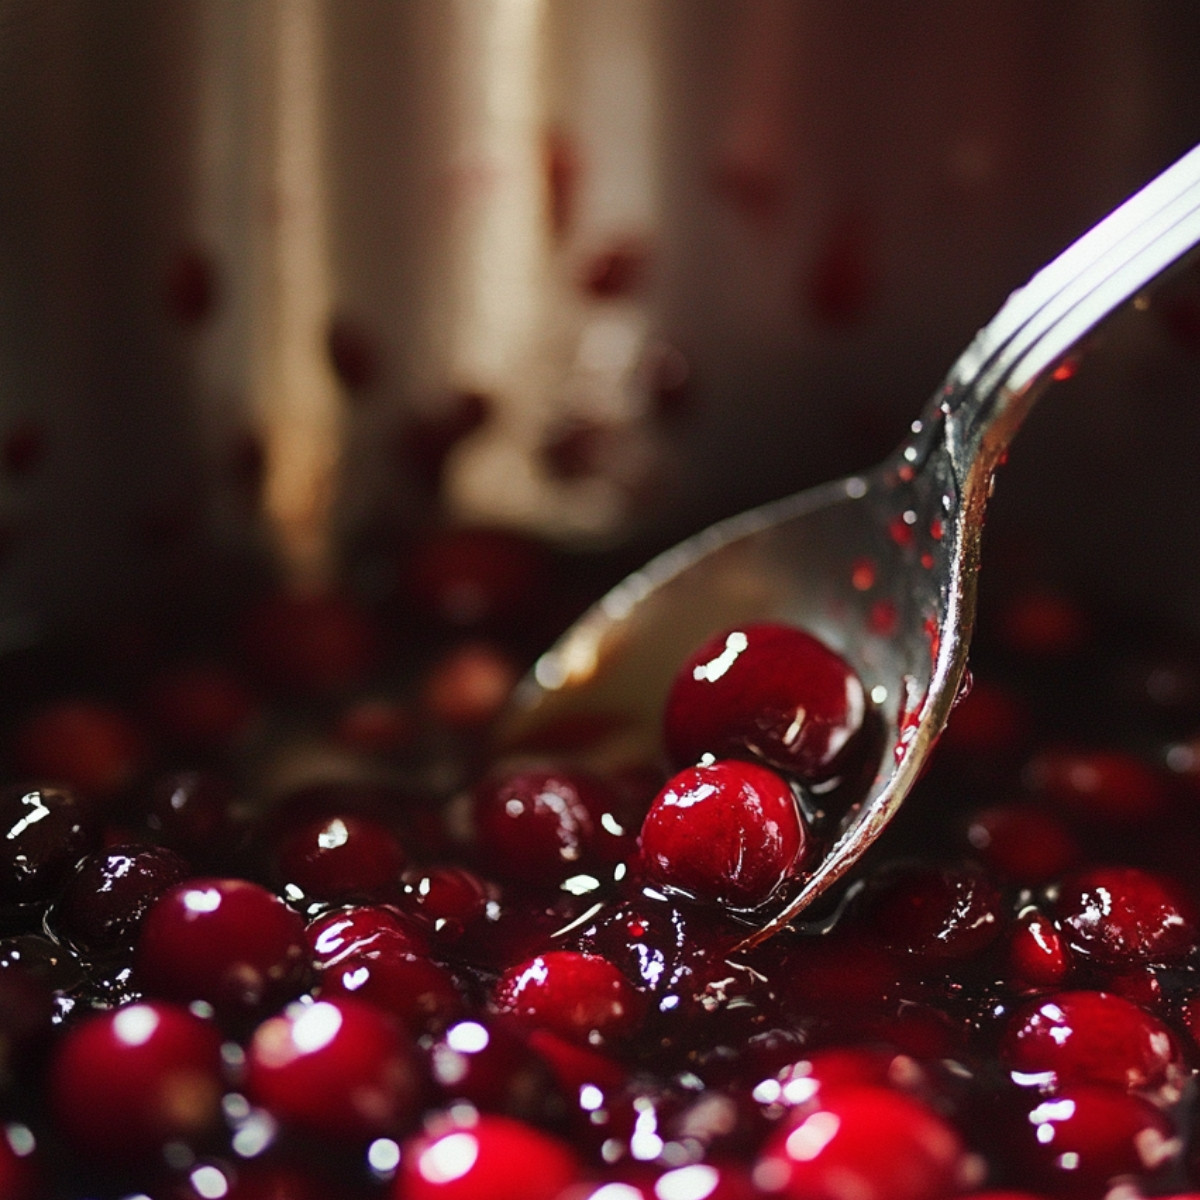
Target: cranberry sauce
272,923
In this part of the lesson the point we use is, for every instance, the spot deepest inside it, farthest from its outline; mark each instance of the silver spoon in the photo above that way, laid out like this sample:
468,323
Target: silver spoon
882,565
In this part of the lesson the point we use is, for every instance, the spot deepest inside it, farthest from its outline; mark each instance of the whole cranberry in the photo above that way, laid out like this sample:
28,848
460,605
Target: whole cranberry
492,1158
727,833
771,691
357,929
45,833
192,811
1120,916
580,996
104,902
1109,786
468,684
864,1141
123,1083
1091,1037
228,942
538,826
338,1068
340,856
934,912
1024,844
452,901
204,706
417,991
1037,954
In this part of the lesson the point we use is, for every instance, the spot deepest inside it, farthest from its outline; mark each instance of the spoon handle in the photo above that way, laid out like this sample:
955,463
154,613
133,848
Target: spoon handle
993,384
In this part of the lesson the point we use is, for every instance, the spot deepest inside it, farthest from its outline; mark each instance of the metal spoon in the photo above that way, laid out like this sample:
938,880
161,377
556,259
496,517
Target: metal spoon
882,565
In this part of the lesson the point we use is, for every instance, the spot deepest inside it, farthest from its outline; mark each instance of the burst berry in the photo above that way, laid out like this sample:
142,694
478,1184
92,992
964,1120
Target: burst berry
726,833
771,691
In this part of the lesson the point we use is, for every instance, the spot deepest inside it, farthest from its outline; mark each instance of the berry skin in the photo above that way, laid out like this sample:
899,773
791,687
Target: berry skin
340,856
770,691
43,833
228,942
727,833
1121,916
866,1142
493,1158
125,1082
1091,1037
338,1068
583,997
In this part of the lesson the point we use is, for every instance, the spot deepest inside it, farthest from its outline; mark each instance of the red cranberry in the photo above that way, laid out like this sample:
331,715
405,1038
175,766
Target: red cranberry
1091,1037
313,642
1123,915
337,1068
87,745
376,725
492,1158
44,835
228,942
580,996
104,902
1044,622
452,900
1037,953
360,928
125,1082
989,722
193,812
201,706
415,990
1022,843
864,1141
467,686
935,912
538,825
1099,785
337,857
726,833
769,690
1081,1139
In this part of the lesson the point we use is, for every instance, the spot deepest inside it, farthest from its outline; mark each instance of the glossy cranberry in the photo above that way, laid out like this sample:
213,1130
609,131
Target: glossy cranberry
361,928
478,577
1099,785
491,1158
538,826
84,744
228,942
1079,1140
1120,916
339,857
934,912
864,1141
1037,954
1091,1037
467,686
338,1068
124,1083
727,832
769,690
201,706
105,901
580,996
193,812
415,990
1023,844
452,901
989,722
44,834
313,642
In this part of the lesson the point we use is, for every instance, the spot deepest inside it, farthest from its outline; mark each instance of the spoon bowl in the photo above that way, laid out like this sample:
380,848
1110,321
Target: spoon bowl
881,566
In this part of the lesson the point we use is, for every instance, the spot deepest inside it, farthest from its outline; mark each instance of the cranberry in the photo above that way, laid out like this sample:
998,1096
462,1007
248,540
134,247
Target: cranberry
540,825
193,812
864,1141
340,856
85,744
1082,1138
124,1083
104,902
228,942
1099,785
934,912
418,992
1022,843
376,725
1044,622
45,834
581,996
491,1158
337,1068
727,833
201,706
1037,953
1119,916
452,900
769,690
361,928
467,686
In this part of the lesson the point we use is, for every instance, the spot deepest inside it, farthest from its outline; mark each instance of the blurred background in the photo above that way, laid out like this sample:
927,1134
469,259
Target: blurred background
295,278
